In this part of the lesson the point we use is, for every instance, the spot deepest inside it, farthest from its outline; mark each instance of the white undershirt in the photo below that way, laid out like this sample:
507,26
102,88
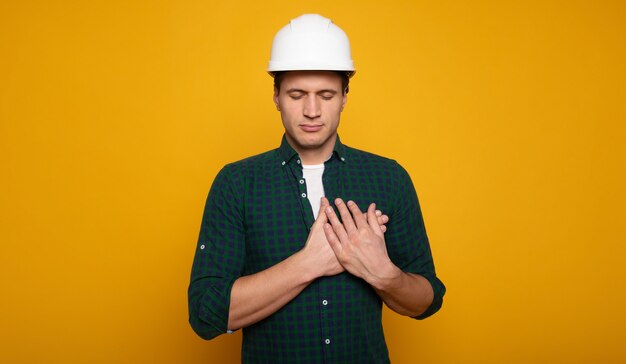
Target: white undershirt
314,187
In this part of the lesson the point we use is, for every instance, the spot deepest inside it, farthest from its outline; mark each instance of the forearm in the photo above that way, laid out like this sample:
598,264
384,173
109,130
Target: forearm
408,294
257,296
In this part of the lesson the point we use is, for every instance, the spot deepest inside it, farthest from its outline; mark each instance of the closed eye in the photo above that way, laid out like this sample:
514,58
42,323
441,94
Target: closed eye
296,95
327,95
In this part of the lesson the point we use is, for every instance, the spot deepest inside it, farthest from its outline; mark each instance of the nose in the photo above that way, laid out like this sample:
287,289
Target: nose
312,107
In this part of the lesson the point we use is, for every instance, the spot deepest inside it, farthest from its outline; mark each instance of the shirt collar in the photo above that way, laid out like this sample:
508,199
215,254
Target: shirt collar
287,153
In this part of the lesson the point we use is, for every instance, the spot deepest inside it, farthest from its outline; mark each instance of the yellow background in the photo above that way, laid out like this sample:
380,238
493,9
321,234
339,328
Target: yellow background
115,117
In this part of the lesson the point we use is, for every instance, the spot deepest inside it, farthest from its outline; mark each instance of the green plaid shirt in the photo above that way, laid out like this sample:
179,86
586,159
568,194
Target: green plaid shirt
257,214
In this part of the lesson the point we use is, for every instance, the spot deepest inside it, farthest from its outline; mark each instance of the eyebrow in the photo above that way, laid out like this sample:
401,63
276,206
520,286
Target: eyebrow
318,92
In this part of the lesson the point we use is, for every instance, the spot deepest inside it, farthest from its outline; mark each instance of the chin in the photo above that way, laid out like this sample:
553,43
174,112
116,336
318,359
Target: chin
309,145
310,140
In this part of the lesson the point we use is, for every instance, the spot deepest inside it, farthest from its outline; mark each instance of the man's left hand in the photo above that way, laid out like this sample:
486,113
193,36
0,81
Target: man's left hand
359,243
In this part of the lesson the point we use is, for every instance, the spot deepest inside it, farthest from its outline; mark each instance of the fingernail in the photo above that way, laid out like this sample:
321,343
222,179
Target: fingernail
378,213
350,203
329,209
338,201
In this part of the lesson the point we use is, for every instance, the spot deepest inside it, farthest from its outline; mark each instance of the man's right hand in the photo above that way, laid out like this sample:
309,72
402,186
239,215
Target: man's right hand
319,255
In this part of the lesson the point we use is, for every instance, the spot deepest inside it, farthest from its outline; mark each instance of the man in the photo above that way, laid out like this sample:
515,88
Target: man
305,282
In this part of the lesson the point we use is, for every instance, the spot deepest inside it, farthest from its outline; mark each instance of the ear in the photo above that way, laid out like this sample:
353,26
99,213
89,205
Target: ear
276,102
344,100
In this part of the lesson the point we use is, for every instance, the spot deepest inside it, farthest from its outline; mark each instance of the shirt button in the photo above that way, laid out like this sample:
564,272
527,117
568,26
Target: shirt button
301,181
327,341
202,247
298,161
283,163
324,302
343,159
303,195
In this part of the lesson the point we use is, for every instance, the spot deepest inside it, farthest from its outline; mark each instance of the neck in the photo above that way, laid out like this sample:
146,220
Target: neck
309,158
319,155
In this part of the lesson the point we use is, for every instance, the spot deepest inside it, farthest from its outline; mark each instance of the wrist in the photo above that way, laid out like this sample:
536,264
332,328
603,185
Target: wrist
386,278
309,270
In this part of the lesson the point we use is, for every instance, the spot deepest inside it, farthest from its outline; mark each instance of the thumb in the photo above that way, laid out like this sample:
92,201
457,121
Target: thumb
321,215
372,219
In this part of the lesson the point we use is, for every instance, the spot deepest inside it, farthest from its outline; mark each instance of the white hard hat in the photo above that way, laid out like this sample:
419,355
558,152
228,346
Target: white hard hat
311,42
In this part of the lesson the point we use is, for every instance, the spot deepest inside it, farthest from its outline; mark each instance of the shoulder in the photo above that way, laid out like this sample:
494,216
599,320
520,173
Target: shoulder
366,160
252,164
235,178
245,174
386,173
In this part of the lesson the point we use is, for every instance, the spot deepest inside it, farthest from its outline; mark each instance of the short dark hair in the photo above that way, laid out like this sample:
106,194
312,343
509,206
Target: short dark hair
345,80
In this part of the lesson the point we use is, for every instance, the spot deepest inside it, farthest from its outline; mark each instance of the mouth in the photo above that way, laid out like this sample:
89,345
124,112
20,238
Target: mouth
311,128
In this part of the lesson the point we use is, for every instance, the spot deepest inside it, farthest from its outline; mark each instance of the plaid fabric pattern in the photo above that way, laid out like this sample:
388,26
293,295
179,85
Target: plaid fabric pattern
257,214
